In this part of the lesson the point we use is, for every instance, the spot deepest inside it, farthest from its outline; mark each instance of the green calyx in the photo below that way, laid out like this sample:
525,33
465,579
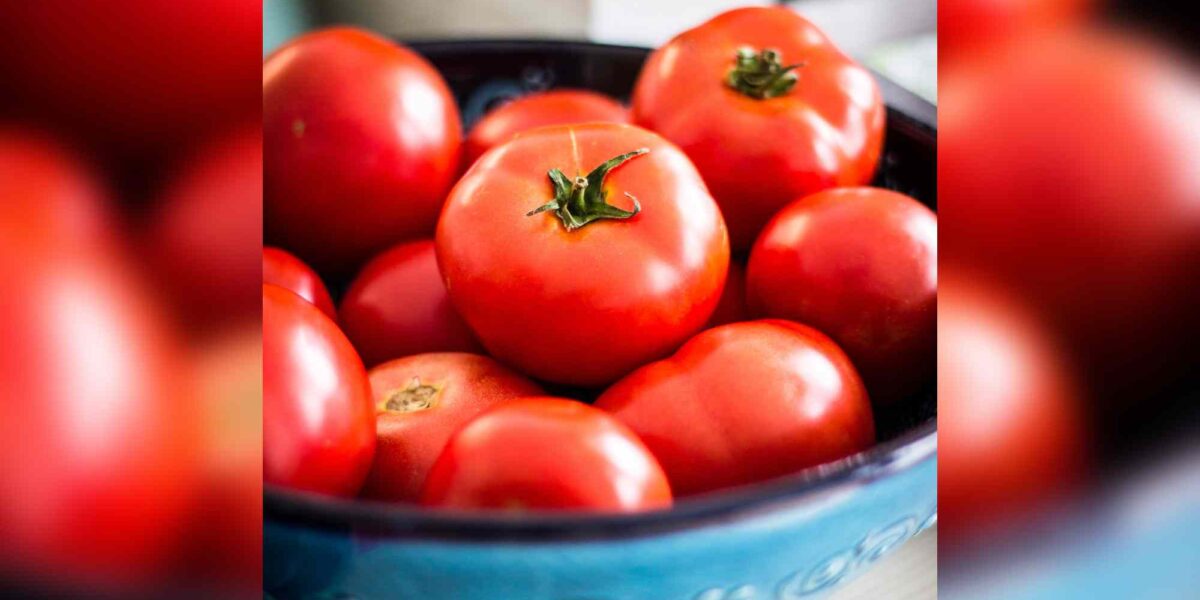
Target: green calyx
582,200
761,75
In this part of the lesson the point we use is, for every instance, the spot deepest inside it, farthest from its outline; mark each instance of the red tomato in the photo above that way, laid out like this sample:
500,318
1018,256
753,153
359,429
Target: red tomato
762,135
397,306
555,107
732,307
970,26
286,271
207,232
361,138
859,264
744,403
1011,431
318,418
420,401
585,292
546,453
136,75
97,437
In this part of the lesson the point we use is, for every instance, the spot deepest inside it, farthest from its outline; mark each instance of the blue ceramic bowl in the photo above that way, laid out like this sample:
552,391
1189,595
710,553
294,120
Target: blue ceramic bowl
794,537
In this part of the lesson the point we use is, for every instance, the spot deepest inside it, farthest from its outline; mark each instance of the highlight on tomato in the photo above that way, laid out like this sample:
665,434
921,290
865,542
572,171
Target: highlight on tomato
282,268
767,108
578,253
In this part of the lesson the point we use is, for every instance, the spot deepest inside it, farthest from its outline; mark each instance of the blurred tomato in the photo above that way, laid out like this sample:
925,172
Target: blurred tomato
286,271
97,438
760,135
1011,435
859,264
546,454
137,75
1067,169
420,401
206,234
555,107
732,307
362,142
744,403
585,292
397,306
318,418
967,27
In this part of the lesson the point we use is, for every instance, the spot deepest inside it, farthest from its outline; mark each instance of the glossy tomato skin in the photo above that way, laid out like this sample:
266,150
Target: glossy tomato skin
362,142
744,403
310,368
860,265
420,401
968,27
732,306
545,453
756,155
206,232
283,269
554,107
618,292
398,306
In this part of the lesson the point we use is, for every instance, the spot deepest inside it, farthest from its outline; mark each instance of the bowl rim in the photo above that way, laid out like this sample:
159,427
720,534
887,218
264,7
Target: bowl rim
904,452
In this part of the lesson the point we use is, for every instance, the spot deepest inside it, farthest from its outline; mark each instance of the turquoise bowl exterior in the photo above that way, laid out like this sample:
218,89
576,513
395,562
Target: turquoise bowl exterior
795,537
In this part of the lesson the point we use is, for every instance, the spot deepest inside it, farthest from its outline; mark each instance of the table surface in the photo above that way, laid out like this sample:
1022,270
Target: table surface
909,573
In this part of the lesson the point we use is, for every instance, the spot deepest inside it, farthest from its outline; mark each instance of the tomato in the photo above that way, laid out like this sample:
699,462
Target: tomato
555,107
859,264
585,292
760,133
420,401
97,438
138,76
362,142
206,233
967,27
1011,430
1066,169
281,268
545,453
318,418
732,306
397,306
743,403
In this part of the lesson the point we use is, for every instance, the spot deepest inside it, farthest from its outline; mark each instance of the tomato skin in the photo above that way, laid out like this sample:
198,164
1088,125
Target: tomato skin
205,236
283,269
554,107
309,367
967,27
620,293
743,403
732,306
859,264
398,306
362,142
758,155
410,441
544,453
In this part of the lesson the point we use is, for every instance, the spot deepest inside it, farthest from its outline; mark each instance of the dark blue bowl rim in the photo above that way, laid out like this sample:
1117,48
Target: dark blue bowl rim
906,111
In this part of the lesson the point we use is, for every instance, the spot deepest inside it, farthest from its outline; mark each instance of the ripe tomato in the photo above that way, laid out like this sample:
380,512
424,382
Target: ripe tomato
397,306
136,76
1011,429
361,138
97,438
761,133
318,418
206,235
286,271
567,298
859,264
555,107
420,401
967,27
744,403
732,307
546,453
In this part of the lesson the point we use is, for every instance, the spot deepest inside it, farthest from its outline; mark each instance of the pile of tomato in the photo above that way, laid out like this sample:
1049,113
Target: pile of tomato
578,305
